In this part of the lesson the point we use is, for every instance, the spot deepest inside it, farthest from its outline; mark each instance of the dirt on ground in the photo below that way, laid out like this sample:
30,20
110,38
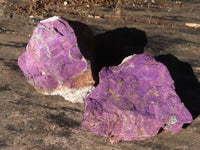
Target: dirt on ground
33,121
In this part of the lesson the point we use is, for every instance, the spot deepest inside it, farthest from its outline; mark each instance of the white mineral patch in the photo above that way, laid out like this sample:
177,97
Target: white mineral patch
54,18
73,95
173,119
127,59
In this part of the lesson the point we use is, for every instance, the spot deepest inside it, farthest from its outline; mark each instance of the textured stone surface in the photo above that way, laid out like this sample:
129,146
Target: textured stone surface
53,62
134,100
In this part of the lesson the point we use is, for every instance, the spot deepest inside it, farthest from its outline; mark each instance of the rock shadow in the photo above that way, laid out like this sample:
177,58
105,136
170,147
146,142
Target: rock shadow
109,48
113,46
65,123
62,120
85,40
186,83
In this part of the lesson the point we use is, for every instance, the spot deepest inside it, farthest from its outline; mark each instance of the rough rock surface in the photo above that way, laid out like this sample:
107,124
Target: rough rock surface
53,62
134,100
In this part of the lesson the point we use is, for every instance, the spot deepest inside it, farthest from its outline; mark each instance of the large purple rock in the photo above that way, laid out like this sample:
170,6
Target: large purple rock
134,100
53,62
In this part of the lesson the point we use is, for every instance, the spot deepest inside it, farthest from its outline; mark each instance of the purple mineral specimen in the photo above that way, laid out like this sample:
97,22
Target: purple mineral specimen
53,62
134,100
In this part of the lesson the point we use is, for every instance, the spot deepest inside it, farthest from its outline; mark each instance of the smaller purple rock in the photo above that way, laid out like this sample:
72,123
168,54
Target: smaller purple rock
134,100
53,62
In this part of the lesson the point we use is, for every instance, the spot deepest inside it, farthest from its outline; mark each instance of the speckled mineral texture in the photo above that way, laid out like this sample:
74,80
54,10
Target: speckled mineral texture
53,62
134,100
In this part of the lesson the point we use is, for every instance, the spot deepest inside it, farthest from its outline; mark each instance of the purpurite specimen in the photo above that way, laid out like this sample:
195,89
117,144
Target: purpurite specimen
134,100
53,62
